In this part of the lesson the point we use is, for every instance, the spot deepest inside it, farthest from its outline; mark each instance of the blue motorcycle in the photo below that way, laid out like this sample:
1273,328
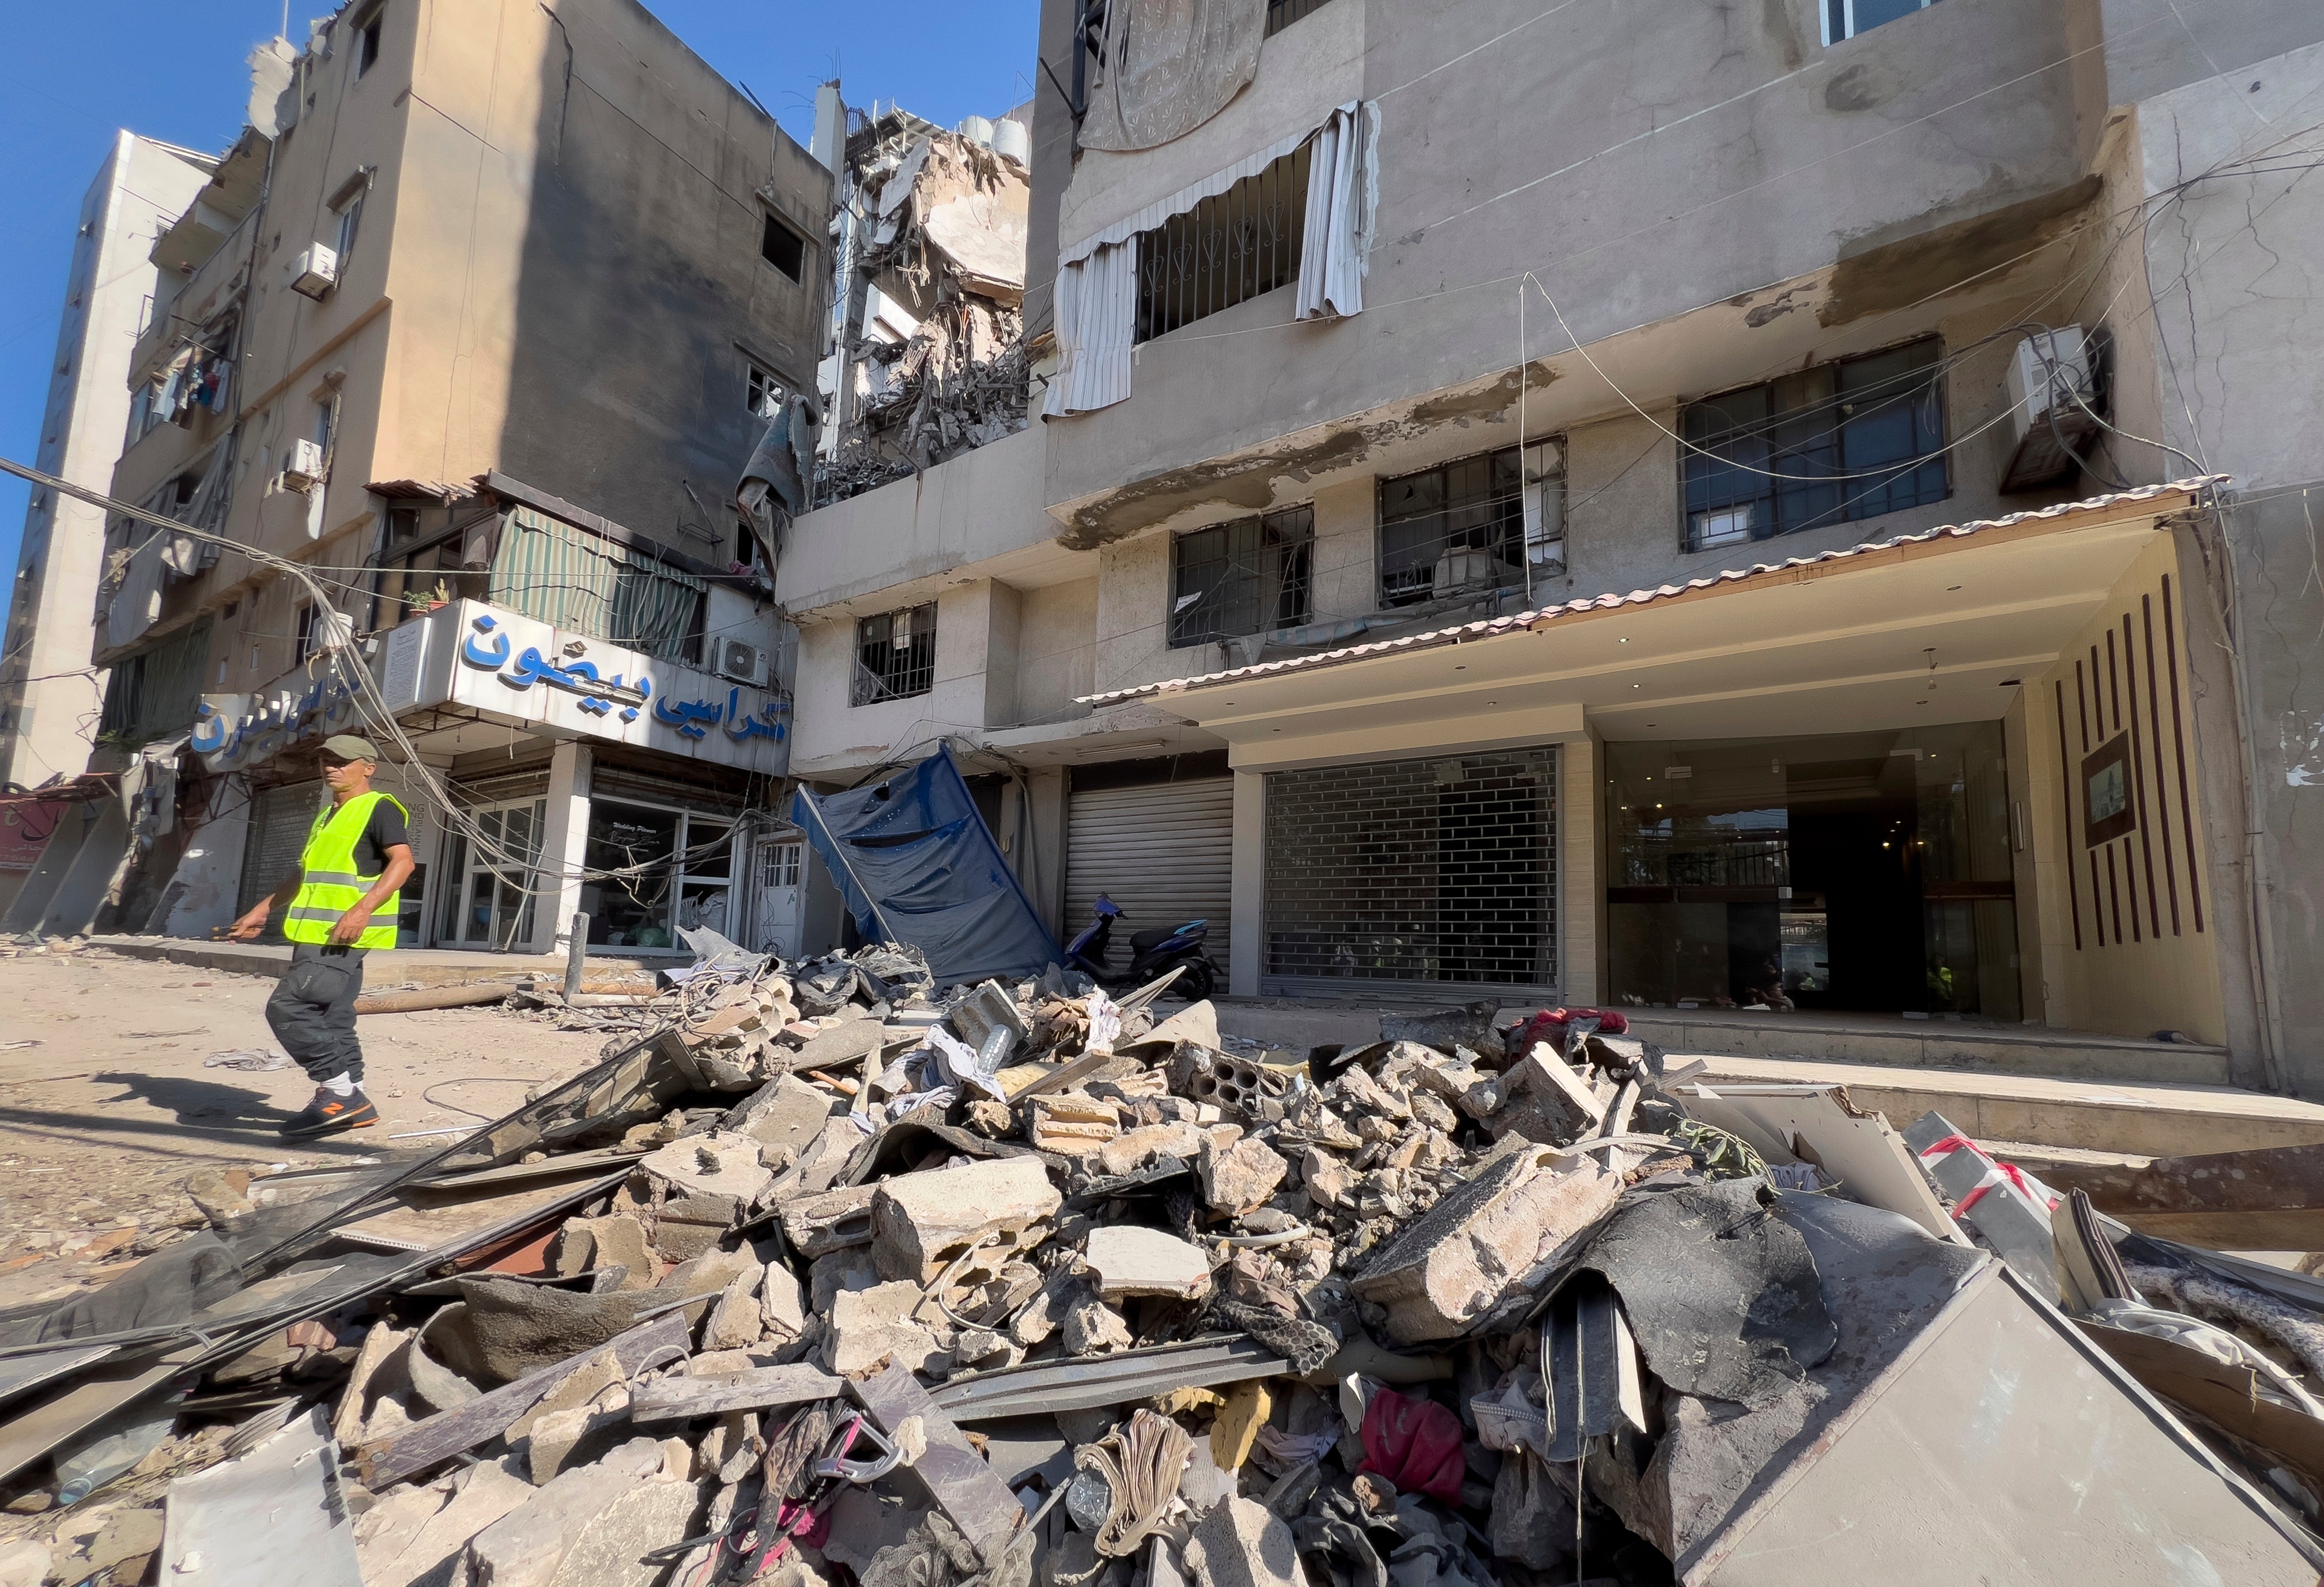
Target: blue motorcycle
1152,954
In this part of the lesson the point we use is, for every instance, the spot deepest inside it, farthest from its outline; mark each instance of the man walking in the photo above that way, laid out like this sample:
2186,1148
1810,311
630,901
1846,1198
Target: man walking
358,854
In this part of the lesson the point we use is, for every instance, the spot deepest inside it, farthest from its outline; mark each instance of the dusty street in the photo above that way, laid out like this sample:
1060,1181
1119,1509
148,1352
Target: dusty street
103,1118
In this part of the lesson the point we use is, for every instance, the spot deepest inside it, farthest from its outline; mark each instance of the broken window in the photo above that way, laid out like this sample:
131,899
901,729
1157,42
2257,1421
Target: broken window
1229,247
350,218
1844,19
1829,445
783,248
895,655
1456,528
1245,577
762,394
367,40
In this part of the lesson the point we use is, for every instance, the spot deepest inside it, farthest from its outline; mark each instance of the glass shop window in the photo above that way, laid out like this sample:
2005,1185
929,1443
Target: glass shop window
668,869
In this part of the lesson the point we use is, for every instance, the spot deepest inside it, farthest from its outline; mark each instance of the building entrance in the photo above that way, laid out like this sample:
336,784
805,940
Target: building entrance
1866,871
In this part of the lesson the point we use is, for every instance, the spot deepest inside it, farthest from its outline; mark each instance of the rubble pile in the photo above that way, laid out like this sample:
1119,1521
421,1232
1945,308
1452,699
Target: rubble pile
834,1275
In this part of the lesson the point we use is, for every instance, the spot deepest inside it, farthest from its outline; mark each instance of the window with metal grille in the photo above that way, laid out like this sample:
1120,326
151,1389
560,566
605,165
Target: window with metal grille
1425,871
895,655
1282,13
1241,578
762,394
1230,247
1452,529
1841,441
779,864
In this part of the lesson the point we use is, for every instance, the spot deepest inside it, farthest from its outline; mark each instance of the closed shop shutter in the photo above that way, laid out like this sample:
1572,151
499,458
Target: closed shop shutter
1434,877
280,820
1162,851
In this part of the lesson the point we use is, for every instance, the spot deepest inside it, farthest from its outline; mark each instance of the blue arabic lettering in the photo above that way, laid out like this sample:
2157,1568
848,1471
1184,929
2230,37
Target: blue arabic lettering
485,655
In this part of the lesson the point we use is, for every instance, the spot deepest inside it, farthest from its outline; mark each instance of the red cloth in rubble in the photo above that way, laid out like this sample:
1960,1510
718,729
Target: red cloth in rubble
1415,1443
1549,1025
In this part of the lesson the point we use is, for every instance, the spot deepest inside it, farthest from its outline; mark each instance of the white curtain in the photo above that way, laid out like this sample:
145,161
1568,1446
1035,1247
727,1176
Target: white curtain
1097,277
1339,205
1097,311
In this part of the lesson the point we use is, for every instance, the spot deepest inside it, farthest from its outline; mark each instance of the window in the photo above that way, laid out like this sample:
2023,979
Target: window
307,642
1844,19
778,864
350,215
679,873
1241,578
1452,529
895,655
367,42
1823,446
762,394
490,903
783,248
1231,246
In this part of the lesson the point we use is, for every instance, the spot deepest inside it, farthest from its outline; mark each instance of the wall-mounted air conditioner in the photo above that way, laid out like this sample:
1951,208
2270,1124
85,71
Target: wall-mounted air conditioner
742,663
2052,402
303,465
316,271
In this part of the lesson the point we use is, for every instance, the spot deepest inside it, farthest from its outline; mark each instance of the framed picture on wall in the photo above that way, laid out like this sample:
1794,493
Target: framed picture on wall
2108,811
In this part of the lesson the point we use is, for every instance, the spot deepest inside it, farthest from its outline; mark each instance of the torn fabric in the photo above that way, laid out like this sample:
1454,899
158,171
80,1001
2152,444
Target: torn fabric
1338,211
1165,67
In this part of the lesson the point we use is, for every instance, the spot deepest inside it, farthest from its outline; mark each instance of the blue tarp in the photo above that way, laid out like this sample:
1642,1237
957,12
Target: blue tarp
916,864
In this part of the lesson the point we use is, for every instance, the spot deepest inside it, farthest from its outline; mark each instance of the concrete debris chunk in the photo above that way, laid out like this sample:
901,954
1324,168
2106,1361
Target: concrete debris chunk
719,1163
1071,1123
921,1221
1240,1176
871,1327
1127,1258
590,1526
1243,1544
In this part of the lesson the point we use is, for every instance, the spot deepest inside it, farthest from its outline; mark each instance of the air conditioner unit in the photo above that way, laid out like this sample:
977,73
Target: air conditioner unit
316,271
303,465
742,663
2052,403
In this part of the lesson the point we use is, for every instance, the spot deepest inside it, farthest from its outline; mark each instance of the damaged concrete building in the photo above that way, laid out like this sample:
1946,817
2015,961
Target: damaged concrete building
927,356
462,340
1795,519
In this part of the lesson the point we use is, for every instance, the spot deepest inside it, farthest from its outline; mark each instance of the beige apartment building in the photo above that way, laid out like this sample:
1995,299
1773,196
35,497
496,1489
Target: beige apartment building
1798,514
476,323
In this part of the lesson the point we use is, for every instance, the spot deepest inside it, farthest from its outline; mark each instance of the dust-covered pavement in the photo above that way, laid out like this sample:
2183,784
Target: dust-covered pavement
104,1120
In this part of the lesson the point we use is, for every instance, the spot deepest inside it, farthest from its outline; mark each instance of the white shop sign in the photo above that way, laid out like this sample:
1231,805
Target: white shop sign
515,670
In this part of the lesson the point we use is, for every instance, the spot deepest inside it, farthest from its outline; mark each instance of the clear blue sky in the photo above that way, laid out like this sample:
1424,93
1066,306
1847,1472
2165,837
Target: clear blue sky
173,69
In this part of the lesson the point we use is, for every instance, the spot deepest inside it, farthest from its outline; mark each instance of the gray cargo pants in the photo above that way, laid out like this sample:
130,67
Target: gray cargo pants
313,1010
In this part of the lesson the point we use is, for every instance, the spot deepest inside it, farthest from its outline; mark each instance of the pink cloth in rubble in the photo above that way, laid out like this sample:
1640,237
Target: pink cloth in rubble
1415,1443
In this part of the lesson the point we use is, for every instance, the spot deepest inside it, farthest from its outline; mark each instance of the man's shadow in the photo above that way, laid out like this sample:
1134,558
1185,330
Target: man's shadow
201,1104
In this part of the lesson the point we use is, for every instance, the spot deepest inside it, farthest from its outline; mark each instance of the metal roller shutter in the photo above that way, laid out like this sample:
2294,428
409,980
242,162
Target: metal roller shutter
1163,851
1432,876
280,820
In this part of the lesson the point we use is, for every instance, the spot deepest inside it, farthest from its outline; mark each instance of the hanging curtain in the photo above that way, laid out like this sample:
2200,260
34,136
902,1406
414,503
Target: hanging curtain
1097,313
1097,277
570,579
1339,207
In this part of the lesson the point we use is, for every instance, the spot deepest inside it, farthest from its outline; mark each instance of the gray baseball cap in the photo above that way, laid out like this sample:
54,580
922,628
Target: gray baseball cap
348,746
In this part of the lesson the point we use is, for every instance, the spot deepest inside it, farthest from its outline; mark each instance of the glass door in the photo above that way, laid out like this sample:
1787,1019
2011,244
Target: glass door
490,896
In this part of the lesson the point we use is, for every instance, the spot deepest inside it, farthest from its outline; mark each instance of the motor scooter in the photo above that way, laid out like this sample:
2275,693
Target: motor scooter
1152,953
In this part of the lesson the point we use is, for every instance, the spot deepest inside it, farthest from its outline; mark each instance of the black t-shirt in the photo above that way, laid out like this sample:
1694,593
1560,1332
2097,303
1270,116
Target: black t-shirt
384,830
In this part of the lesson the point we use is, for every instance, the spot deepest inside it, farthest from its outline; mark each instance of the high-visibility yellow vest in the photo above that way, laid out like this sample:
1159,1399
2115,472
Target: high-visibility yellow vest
329,884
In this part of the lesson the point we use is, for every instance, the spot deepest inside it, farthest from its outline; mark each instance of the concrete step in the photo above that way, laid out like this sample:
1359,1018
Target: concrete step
381,969
2091,1115
1934,1043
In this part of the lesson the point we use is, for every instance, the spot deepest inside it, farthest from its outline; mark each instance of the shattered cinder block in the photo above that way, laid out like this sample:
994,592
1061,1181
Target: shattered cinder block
1446,1267
1134,1150
1243,1544
1071,1122
1240,1176
1129,1259
920,1221
690,1225
1543,1099
735,1321
1092,1326
1204,1074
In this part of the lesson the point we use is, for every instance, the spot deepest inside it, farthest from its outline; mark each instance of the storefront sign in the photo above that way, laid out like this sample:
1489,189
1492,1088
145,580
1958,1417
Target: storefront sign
232,731
515,667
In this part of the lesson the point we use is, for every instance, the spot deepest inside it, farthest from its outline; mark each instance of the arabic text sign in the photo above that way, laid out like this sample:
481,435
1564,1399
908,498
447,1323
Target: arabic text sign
515,666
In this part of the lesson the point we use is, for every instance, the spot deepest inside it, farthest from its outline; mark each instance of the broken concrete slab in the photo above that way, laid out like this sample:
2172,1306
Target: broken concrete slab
718,1163
559,1440
920,1221
1243,1544
591,1525
736,1321
869,1326
1543,1100
1521,1212
1129,1259
786,1115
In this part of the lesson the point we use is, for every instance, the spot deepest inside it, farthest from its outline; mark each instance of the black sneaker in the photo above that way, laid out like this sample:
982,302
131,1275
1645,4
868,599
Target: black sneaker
330,1112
